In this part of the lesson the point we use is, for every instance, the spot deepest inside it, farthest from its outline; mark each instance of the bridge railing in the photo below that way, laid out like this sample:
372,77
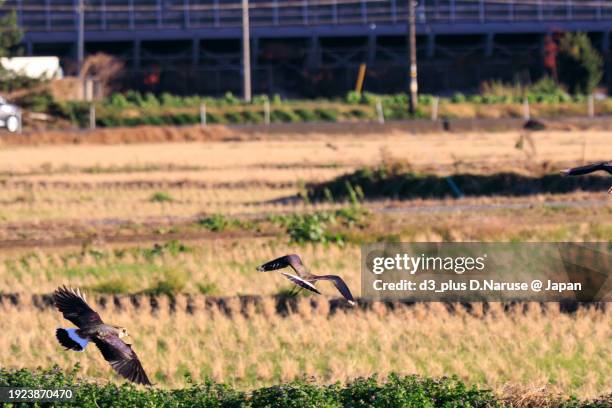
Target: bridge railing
61,15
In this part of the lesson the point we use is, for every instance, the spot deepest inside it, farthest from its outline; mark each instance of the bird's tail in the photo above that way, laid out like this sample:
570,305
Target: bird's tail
70,339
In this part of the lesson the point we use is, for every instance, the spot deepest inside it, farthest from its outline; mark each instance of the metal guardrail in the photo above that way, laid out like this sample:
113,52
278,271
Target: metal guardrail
109,15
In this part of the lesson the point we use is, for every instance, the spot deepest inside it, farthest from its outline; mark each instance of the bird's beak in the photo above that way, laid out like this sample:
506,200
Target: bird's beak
565,172
260,269
352,303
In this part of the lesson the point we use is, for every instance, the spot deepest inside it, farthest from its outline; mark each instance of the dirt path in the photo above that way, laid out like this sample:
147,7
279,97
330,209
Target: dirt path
108,231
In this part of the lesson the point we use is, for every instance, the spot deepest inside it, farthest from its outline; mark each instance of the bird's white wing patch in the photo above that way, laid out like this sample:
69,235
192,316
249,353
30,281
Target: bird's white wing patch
72,333
297,278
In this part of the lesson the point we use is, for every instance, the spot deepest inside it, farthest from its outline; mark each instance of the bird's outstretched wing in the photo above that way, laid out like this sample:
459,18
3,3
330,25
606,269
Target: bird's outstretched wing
73,306
340,285
589,168
291,260
301,282
122,358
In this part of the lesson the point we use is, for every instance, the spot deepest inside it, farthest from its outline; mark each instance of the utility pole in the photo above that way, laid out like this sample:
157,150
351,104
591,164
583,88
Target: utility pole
412,94
246,52
80,36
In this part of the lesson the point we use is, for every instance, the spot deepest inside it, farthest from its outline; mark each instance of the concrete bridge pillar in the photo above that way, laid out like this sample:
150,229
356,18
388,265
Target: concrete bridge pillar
195,52
489,44
371,49
431,45
136,53
313,59
607,55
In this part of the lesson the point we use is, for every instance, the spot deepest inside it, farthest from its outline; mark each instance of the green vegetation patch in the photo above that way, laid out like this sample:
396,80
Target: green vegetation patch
395,391
410,391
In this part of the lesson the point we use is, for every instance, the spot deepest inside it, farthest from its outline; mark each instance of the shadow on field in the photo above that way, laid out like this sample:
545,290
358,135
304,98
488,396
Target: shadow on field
286,305
384,183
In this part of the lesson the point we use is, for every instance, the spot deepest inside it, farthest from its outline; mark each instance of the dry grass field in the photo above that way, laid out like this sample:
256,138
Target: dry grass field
566,354
140,219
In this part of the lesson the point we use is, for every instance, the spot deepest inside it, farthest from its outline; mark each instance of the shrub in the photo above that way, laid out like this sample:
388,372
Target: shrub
149,101
11,81
173,247
213,118
172,283
308,228
284,116
207,288
253,117
368,98
548,91
233,117
406,392
170,100
353,97
76,112
37,102
230,99
216,222
358,113
118,101
316,227
134,98
580,66
499,90
458,97
425,99
161,197
259,99
328,115
276,99
306,115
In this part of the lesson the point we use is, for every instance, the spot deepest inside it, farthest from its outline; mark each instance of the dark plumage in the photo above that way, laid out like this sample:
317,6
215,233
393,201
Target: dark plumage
304,278
91,328
65,340
533,124
589,168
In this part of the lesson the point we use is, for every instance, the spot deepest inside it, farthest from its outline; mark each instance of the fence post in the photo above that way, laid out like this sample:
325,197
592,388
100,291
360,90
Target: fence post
92,116
203,115
267,112
435,102
591,106
379,112
526,109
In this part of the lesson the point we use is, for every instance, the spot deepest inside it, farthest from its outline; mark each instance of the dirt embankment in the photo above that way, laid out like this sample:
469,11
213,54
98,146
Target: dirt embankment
142,134
153,134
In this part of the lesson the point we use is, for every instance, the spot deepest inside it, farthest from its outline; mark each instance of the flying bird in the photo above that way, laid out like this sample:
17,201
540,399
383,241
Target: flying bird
589,168
91,328
303,277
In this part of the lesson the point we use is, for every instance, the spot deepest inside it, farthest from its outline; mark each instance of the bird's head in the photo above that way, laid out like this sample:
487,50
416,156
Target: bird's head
121,331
